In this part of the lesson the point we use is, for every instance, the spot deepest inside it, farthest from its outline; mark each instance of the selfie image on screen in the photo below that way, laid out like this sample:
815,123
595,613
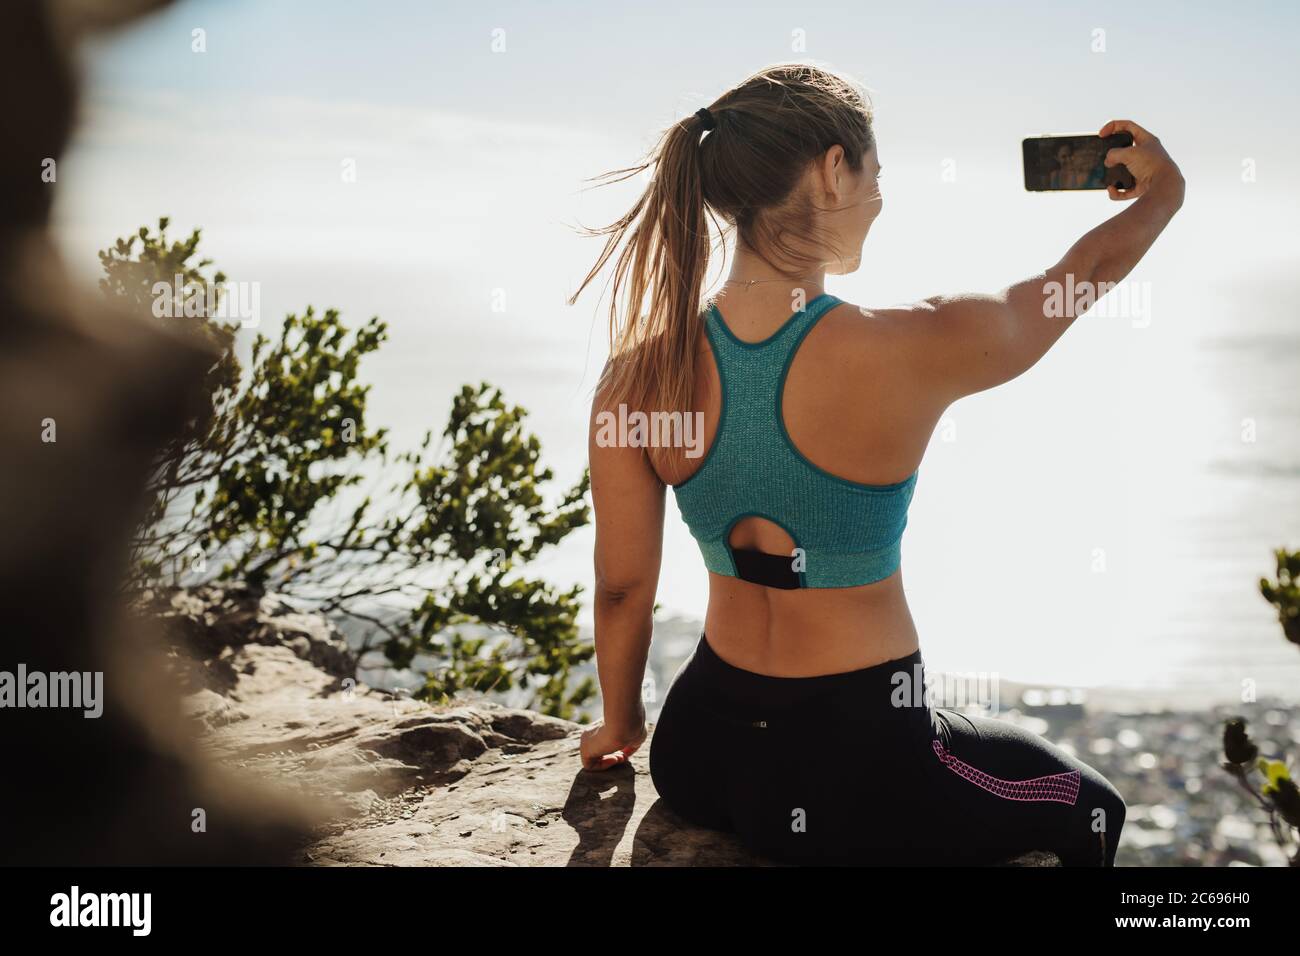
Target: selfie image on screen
1065,162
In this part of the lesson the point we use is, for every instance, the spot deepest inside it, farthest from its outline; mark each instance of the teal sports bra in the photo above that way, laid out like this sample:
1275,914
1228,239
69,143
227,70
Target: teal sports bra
845,533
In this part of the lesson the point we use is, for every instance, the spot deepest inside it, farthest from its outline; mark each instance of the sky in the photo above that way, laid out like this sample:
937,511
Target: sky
472,128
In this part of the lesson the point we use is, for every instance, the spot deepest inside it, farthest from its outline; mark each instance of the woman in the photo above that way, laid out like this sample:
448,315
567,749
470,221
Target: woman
1063,176
797,722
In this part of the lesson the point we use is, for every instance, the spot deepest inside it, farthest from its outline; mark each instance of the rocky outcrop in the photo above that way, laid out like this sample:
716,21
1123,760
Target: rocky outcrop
205,626
406,783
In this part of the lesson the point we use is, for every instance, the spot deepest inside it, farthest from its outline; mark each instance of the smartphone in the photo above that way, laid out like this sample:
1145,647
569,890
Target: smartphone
1074,162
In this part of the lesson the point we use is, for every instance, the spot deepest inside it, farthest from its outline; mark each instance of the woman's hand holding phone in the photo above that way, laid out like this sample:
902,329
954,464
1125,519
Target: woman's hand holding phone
1155,173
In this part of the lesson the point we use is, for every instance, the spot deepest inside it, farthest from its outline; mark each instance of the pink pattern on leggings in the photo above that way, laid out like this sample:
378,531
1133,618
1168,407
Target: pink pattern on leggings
1058,788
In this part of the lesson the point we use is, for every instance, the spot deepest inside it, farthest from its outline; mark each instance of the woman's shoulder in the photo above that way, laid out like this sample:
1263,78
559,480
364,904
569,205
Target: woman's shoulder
857,327
901,346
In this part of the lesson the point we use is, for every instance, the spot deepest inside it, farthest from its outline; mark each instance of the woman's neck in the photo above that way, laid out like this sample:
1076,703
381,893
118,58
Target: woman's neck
752,274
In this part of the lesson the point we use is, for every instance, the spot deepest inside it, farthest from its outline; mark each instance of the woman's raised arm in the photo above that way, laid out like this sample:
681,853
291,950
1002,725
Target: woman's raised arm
958,345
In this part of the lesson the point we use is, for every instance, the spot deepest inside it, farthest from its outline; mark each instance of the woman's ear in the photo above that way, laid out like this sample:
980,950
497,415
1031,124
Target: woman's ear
833,171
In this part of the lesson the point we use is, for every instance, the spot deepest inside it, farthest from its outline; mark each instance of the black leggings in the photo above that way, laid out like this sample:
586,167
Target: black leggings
858,768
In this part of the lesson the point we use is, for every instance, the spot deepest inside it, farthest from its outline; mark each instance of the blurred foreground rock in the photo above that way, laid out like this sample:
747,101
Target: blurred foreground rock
90,397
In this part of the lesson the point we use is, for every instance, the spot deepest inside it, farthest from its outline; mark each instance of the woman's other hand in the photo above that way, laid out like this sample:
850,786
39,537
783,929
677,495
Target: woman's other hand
606,745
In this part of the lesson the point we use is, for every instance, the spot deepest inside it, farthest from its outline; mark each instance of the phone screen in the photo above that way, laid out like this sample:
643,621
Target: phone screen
1074,162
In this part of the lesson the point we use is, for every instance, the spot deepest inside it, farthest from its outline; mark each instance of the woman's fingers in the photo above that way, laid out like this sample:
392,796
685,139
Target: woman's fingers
606,761
1139,134
1120,154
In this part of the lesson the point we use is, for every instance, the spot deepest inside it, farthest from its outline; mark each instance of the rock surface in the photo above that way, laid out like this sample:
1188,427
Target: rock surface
408,784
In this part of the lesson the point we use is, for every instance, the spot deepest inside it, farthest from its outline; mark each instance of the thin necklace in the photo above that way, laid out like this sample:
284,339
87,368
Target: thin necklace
750,282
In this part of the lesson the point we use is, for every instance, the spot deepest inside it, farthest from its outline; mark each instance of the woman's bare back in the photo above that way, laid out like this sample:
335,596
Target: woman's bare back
849,408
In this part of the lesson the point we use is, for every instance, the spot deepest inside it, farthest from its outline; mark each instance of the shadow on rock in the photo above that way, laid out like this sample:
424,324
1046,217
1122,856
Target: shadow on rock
599,807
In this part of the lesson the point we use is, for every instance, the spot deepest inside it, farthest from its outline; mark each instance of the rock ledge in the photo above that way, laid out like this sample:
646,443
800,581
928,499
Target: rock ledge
404,783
